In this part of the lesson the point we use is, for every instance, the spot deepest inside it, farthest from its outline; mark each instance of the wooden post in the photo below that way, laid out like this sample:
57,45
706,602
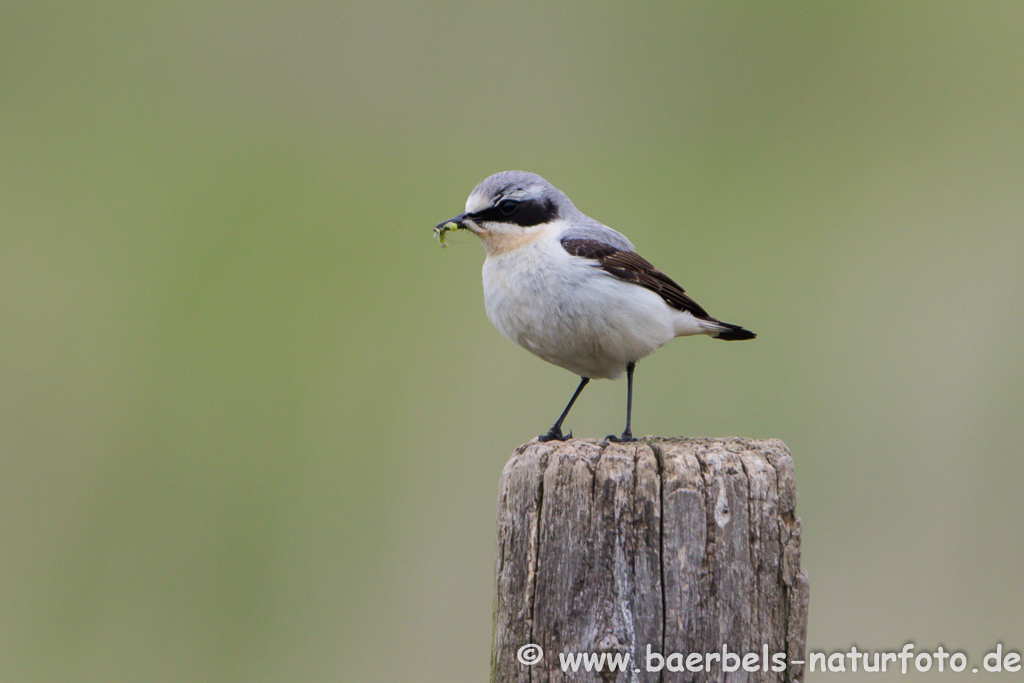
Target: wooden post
682,546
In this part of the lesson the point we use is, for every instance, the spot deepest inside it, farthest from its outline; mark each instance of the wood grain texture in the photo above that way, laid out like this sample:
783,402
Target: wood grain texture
683,545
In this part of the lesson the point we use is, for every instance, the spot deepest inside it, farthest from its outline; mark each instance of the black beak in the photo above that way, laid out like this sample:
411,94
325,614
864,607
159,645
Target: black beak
457,221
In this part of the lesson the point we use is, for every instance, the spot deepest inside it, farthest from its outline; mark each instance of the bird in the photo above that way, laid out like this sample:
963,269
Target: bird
571,290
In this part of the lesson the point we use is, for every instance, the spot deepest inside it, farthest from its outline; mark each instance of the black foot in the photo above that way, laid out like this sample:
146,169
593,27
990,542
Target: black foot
554,434
626,437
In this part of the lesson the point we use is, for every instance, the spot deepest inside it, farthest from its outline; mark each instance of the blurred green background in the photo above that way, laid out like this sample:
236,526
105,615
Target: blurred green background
252,417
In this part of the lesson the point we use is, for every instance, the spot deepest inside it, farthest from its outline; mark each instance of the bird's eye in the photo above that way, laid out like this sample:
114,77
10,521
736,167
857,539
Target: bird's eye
508,207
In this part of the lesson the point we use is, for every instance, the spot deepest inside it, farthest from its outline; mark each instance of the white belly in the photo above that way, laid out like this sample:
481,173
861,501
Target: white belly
572,314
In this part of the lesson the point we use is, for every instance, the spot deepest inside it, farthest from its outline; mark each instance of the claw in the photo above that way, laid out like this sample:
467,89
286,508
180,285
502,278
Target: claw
554,435
626,437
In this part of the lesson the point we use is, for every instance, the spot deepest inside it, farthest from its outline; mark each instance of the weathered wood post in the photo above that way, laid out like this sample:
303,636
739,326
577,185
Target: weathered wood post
666,549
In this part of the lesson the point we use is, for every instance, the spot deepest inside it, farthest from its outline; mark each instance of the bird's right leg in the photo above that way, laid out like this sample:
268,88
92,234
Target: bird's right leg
555,433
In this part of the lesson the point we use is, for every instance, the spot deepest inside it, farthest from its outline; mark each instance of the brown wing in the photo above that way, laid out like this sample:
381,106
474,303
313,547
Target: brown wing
631,267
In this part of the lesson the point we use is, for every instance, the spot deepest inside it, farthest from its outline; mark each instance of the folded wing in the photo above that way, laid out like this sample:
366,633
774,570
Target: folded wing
631,267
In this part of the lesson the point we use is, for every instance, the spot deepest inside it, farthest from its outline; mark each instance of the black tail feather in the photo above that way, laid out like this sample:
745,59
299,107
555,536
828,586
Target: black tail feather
733,332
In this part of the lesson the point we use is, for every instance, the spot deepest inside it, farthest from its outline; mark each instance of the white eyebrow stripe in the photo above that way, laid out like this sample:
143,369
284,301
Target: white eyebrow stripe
477,203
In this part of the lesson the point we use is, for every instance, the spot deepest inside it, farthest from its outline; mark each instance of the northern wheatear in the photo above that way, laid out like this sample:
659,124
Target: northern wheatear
571,290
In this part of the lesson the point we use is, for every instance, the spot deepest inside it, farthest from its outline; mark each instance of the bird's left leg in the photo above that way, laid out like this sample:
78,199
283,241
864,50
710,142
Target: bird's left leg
555,433
627,434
